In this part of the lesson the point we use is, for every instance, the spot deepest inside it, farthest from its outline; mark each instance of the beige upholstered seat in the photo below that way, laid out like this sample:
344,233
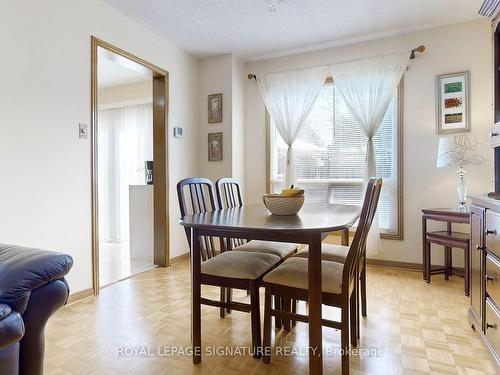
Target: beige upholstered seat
281,249
293,273
239,264
332,253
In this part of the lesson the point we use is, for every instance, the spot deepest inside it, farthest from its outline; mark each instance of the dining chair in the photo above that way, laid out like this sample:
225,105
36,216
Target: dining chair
339,282
338,253
229,196
225,269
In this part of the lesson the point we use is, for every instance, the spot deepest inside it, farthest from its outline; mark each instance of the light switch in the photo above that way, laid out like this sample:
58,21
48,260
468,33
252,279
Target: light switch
83,131
178,132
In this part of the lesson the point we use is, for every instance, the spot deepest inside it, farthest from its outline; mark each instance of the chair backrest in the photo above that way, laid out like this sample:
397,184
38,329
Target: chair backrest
196,195
229,195
228,192
358,244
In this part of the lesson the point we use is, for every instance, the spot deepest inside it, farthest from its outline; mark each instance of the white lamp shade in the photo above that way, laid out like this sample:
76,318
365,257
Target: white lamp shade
460,150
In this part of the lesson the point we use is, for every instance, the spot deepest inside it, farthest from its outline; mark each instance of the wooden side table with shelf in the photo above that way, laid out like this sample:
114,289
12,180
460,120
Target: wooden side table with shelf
447,238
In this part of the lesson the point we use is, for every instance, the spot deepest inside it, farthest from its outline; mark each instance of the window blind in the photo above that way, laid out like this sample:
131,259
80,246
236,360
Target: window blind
330,156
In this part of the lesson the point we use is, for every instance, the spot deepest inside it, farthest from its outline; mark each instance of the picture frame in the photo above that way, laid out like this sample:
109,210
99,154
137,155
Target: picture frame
453,103
214,108
215,146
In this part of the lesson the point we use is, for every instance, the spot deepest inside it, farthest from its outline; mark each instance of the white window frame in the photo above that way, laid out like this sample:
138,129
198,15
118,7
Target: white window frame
398,233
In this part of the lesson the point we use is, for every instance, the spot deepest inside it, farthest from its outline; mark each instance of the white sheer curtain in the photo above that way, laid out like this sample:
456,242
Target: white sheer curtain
125,143
289,98
367,87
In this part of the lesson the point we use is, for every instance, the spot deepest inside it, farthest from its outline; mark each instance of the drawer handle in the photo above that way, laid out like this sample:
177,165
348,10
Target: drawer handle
488,325
491,231
490,278
492,134
479,247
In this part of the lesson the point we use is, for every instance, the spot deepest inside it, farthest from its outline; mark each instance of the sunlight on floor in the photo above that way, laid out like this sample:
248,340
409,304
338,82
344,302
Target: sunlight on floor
115,263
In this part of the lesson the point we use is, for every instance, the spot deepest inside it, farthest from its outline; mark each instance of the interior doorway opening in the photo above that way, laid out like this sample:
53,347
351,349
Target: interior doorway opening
129,165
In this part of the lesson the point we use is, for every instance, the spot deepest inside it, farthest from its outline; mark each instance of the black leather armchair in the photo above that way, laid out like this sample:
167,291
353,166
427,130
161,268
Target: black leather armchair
32,288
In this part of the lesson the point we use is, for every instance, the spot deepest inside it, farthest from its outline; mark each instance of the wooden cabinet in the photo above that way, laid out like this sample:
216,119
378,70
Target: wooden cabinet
492,232
476,259
492,328
484,312
491,278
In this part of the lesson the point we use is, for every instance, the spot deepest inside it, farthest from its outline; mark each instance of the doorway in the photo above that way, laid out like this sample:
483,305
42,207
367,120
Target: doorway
129,165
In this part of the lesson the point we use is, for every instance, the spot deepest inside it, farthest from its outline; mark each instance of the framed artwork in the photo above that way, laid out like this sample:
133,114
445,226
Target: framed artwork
452,103
214,108
214,146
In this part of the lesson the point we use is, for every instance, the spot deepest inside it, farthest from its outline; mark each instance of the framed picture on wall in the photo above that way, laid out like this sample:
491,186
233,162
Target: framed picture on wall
214,108
214,146
452,103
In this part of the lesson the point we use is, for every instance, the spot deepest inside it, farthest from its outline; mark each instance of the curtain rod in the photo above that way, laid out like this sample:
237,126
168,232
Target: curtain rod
419,49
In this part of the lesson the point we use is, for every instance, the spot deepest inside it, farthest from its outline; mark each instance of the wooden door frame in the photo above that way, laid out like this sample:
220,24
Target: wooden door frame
160,157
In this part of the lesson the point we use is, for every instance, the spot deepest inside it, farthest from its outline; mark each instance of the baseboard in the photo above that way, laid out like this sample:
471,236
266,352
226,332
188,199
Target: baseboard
78,296
393,264
179,258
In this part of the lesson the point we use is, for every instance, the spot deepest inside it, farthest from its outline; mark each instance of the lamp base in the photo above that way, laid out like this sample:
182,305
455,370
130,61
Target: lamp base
461,189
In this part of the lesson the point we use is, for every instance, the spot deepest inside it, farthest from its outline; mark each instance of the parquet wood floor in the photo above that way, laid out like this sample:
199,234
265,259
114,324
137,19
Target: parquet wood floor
421,329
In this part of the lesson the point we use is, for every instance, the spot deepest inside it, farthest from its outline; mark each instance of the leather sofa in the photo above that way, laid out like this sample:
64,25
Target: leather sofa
32,288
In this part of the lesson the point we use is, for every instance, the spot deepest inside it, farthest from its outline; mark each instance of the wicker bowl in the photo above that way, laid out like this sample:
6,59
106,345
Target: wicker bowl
283,205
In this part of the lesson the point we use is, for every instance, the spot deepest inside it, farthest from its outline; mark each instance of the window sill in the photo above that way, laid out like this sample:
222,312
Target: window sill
392,236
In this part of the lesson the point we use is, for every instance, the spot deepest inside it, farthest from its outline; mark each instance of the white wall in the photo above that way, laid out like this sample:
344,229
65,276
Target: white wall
126,94
238,126
223,74
466,46
44,94
215,78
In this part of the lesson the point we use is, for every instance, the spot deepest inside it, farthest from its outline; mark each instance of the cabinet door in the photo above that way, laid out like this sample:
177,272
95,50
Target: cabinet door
476,261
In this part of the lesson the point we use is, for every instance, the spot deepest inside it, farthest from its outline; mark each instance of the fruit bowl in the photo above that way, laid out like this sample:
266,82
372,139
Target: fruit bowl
283,205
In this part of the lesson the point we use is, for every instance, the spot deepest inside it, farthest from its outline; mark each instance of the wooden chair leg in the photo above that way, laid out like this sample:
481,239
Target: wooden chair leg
229,298
222,298
277,306
344,338
352,318
358,325
294,310
255,318
363,289
267,327
287,308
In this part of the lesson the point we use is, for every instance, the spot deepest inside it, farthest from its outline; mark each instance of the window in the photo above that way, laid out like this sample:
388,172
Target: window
330,157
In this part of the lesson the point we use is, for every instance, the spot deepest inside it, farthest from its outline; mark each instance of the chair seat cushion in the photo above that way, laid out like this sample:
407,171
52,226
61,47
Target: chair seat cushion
239,264
293,273
281,249
332,253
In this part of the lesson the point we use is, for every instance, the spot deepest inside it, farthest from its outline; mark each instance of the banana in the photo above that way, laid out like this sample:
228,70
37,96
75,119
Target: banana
292,192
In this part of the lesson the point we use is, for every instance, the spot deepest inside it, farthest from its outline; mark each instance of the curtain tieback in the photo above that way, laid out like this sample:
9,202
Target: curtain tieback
369,144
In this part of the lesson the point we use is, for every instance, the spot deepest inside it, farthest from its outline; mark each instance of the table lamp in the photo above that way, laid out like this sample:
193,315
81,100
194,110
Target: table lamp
459,151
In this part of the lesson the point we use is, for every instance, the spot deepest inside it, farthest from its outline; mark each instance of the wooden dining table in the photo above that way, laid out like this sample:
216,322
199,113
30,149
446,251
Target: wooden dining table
254,222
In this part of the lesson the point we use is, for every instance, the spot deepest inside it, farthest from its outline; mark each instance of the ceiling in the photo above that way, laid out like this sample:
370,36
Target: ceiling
250,30
114,70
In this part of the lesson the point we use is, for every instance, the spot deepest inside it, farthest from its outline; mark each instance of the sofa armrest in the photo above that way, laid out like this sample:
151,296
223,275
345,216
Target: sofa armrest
23,270
11,327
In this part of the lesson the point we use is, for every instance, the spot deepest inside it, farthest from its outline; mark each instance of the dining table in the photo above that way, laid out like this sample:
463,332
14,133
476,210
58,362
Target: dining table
254,222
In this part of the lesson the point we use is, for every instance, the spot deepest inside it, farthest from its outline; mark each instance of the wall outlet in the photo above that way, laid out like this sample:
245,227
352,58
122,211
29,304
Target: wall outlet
83,131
